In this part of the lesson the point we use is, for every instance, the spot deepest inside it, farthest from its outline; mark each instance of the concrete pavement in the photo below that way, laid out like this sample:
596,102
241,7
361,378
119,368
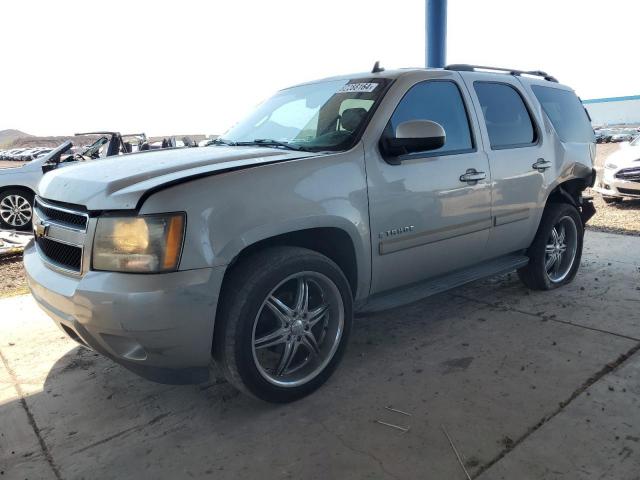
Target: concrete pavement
528,385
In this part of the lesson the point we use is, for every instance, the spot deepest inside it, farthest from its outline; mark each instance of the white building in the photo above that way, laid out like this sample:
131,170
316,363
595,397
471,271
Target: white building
614,110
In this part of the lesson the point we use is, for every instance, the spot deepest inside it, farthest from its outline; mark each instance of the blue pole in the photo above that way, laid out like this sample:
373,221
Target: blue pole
436,33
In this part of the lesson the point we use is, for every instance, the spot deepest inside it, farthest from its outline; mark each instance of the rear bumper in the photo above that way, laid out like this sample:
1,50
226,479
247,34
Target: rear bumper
159,326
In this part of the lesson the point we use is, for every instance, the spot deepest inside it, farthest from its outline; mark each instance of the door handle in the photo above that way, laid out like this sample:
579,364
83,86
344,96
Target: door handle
472,176
541,165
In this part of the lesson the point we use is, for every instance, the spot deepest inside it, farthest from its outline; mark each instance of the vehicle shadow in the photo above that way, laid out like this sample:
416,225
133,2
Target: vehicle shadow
92,413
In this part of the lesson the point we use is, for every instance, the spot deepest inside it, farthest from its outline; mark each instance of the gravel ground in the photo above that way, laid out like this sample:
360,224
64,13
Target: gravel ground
616,218
12,280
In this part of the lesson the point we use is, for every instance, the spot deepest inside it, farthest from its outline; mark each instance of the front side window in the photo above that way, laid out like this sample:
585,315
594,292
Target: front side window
439,101
566,113
328,115
508,121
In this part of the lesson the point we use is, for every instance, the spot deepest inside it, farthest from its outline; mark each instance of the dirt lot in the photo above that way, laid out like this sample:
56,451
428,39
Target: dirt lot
12,281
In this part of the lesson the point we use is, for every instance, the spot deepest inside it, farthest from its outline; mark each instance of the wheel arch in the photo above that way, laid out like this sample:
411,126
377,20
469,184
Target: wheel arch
4,188
332,242
570,191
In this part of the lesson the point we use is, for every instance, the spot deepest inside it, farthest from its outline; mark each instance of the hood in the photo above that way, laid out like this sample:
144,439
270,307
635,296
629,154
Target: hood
625,156
118,183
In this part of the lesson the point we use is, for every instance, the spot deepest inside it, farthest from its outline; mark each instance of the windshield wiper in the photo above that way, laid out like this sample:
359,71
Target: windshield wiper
221,141
268,142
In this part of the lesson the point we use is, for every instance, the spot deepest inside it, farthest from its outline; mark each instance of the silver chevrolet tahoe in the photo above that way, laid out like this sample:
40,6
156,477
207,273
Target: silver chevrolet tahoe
359,193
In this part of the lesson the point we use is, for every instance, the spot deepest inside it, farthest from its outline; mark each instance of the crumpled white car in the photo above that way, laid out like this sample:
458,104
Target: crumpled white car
621,175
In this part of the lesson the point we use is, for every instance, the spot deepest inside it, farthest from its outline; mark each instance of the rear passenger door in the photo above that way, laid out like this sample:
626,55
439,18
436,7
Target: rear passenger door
514,143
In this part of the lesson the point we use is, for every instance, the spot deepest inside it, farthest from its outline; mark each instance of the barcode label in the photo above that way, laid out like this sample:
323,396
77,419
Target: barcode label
358,88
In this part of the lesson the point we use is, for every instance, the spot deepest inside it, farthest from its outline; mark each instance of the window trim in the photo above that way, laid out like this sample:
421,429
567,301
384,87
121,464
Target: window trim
430,154
534,123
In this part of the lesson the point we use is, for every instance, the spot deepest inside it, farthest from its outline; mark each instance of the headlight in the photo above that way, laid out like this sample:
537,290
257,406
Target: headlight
145,244
611,166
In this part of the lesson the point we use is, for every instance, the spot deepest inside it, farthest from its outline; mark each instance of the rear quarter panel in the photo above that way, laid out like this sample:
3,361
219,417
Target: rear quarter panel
571,160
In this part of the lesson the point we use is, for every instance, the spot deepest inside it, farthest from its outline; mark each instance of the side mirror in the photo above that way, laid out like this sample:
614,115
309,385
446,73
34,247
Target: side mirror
414,136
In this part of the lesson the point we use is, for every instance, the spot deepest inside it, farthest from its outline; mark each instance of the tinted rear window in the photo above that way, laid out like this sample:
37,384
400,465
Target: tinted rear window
508,121
566,113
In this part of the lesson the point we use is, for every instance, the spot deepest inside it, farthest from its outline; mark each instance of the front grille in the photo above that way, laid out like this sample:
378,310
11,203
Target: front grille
629,174
628,191
62,216
61,254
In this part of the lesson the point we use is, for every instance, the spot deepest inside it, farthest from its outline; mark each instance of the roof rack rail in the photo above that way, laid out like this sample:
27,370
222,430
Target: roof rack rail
463,67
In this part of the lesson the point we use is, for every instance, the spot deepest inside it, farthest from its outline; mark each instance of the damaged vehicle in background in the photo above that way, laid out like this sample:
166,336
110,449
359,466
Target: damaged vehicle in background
621,174
18,184
115,143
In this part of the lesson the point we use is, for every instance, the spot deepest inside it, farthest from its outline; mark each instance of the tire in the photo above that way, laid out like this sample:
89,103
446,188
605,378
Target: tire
16,209
537,275
610,200
252,335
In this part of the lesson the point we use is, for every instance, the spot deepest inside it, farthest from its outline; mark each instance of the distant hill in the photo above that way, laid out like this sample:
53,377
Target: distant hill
18,139
32,141
10,136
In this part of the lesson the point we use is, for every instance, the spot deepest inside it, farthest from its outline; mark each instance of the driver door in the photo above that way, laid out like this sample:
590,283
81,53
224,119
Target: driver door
425,219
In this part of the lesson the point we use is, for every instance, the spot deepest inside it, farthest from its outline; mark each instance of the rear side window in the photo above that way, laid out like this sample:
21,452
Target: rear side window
566,113
439,101
508,121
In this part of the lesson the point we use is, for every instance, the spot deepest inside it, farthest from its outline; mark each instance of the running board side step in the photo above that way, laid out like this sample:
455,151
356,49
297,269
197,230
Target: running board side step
418,291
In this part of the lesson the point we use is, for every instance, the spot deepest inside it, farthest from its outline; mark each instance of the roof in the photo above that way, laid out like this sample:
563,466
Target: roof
612,99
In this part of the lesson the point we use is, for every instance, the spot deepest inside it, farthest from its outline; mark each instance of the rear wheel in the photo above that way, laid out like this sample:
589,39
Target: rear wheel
16,209
556,250
283,324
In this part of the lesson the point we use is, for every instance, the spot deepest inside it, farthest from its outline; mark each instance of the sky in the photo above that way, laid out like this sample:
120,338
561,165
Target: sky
188,67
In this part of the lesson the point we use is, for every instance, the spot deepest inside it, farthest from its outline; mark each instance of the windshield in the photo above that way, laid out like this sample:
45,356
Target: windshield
328,115
96,147
636,141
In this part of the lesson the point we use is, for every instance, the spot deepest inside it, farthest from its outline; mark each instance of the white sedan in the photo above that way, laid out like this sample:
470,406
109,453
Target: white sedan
621,174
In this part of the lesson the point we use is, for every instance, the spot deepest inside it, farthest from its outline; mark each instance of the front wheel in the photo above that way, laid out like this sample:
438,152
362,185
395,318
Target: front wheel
283,324
16,209
556,250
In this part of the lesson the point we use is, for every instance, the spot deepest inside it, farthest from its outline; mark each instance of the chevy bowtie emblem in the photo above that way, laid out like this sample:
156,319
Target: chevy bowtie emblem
40,229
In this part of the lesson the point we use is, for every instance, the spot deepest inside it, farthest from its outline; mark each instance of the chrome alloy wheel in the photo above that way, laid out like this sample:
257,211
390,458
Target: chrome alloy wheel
298,329
15,210
560,249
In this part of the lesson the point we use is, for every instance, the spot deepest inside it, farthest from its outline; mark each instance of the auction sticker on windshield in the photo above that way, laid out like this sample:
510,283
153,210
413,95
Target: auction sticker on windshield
358,87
